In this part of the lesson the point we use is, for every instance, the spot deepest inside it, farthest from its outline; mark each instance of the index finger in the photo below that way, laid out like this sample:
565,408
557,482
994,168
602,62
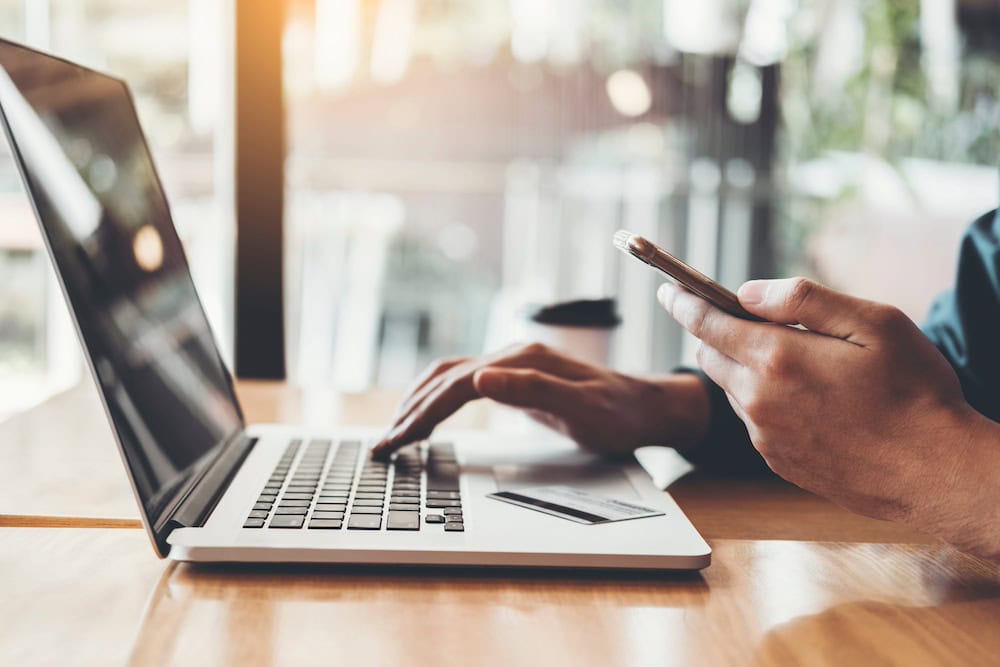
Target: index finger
732,336
443,401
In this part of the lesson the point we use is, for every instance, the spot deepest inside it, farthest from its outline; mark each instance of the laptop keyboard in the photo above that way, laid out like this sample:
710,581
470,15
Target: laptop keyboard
325,490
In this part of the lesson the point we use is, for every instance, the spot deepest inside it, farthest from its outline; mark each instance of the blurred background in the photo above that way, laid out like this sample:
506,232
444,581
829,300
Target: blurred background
450,162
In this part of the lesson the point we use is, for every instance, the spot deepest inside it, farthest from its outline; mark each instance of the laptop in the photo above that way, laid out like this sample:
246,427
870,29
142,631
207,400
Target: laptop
212,487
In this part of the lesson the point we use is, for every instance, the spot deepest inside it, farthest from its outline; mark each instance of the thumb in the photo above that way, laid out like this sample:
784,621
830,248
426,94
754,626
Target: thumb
526,388
802,301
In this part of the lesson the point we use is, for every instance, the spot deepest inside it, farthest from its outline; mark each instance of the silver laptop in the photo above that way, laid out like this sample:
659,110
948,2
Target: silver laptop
210,486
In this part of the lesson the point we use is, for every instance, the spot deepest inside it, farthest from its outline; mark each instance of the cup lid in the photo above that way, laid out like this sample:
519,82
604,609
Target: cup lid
598,313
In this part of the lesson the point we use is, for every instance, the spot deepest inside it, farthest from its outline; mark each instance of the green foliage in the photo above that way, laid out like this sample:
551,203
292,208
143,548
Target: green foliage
886,108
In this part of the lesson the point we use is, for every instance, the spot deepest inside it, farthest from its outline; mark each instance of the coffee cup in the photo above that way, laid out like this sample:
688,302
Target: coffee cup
582,329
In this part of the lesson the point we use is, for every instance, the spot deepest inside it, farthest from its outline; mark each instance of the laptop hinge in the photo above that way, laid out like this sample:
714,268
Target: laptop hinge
195,508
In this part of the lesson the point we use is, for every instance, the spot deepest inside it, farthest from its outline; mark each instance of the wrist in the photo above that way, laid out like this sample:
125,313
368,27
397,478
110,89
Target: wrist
678,409
964,508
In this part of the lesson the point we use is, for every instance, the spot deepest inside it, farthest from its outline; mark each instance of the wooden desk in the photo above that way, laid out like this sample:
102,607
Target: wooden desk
794,580
98,597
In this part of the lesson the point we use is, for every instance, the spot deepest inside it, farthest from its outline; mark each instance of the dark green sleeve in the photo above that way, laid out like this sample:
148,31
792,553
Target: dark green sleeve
964,323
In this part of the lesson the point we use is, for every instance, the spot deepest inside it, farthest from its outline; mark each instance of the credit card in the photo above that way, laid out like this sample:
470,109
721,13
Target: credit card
574,504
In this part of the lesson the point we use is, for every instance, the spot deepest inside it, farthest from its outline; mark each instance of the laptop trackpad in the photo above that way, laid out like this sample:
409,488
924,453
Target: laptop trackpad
581,472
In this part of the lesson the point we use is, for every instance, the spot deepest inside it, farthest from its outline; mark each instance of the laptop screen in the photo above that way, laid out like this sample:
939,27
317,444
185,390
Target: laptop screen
103,213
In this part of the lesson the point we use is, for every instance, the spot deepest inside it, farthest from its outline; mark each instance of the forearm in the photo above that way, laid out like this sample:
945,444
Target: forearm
965,508
678,411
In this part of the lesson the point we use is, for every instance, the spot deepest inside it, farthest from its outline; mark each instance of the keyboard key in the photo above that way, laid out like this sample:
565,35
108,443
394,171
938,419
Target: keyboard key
453,511
333,497
443,495
402,521
453,518
295,502
401,493
366,510
325,524
365,522
328,515
258,514
397,507
444,503
433,485
434,518
287,521
365,502
365,495
262,506
331,507
292,510
297,496
454,527
253,523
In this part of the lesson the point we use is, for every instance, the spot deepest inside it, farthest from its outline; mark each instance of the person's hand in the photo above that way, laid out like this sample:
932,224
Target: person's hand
858,406
601,410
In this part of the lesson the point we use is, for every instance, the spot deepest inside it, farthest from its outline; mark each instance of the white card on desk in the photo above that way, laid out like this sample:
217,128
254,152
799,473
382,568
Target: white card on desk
573,504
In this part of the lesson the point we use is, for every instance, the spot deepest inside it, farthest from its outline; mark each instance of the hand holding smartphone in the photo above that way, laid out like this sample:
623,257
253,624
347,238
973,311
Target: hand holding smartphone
682,274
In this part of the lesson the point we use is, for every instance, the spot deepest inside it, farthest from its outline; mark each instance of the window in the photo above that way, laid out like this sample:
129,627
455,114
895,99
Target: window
451,163
172,55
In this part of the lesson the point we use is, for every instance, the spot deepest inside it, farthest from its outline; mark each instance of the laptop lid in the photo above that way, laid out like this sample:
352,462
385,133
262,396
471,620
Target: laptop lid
88,171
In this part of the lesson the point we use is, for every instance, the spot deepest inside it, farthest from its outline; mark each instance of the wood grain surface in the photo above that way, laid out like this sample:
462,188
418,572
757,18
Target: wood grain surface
98,597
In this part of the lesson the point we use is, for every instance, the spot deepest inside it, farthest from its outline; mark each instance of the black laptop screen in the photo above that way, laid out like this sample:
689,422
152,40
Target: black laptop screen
105,218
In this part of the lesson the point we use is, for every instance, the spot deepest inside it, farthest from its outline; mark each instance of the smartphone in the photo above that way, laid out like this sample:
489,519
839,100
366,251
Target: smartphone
682,274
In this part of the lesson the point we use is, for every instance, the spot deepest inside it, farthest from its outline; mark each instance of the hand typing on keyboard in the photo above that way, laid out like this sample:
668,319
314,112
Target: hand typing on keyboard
602,410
